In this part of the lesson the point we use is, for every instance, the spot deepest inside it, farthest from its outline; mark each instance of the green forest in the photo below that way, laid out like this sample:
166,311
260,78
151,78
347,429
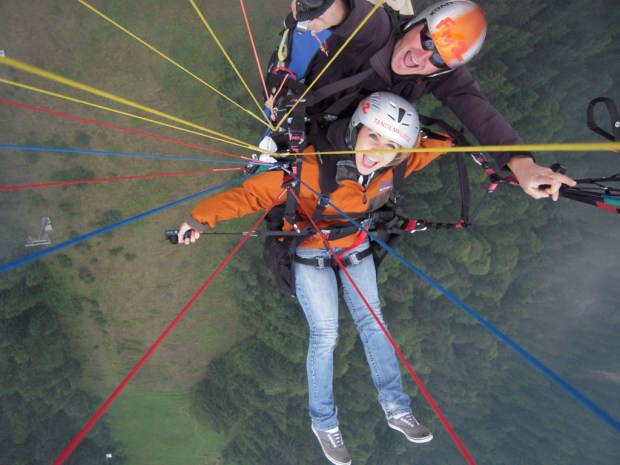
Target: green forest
545,274
541,74
42,402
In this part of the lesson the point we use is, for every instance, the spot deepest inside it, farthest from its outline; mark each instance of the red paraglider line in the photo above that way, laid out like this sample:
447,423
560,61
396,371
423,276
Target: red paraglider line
93,420
251,36
402,357
120,128
123,178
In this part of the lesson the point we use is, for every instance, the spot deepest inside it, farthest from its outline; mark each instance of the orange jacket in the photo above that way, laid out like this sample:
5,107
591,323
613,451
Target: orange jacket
259,192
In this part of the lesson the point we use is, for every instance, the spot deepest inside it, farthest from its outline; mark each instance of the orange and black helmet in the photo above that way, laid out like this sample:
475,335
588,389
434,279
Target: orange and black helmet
454,30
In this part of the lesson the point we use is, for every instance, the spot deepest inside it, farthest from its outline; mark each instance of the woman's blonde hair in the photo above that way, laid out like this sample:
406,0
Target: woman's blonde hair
402,156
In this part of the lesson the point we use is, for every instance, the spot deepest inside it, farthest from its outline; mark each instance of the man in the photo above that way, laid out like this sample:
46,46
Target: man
404,7
426,54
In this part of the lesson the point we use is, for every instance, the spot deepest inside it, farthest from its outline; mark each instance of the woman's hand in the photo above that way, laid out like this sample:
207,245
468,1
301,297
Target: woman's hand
192,234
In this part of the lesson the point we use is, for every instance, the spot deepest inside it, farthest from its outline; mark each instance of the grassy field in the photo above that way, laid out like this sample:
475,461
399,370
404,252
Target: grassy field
169,413
131,283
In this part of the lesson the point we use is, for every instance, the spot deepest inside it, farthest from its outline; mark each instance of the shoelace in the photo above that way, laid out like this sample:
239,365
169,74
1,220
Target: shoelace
335,439
410,420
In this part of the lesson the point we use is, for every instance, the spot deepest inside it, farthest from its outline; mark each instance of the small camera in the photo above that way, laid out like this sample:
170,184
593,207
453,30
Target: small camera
172,235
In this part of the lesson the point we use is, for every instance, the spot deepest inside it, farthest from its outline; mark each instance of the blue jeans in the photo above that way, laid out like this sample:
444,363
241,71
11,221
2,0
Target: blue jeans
317,292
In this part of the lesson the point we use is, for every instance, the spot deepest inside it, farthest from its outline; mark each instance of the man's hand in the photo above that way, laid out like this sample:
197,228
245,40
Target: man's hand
334,16
532,177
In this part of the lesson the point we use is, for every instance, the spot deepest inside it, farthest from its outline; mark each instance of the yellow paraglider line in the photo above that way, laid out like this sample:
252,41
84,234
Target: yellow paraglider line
120,112
223,138
223,50
56,78
556,147
353,34
161,54
600,146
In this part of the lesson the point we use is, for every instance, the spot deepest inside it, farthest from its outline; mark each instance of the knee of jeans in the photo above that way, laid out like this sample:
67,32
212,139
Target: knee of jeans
366,321
325,335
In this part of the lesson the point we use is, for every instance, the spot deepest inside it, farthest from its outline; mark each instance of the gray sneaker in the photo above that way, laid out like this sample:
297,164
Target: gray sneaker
333,446
413,430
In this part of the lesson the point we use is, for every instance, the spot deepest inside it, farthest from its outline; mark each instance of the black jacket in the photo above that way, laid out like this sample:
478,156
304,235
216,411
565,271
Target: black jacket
371,49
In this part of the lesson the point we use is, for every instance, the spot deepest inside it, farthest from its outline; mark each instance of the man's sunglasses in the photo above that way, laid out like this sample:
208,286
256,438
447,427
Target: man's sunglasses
427,44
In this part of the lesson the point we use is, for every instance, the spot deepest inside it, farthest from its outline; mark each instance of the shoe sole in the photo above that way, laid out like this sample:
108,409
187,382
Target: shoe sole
415,440
331,459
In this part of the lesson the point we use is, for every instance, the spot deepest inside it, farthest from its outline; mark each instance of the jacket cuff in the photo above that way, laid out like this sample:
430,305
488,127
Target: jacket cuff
504,158
195,224
353,19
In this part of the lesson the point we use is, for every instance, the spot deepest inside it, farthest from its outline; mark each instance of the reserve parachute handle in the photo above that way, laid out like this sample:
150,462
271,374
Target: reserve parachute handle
613,116
602,192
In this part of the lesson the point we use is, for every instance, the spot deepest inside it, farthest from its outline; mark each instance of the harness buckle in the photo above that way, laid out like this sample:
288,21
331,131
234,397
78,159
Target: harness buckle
353,259
320,263
323,201
367,222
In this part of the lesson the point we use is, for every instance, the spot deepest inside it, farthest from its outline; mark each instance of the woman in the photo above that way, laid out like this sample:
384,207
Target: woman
382,124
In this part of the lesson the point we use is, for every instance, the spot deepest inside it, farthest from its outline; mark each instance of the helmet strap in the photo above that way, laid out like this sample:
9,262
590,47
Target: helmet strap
350,137
410,25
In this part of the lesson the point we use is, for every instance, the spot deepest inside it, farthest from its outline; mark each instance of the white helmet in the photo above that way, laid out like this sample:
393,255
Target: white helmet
388,114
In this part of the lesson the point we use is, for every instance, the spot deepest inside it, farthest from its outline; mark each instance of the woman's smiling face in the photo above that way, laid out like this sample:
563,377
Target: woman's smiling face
368,140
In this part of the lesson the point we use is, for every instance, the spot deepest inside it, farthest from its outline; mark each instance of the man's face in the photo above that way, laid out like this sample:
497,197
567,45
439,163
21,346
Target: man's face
409,57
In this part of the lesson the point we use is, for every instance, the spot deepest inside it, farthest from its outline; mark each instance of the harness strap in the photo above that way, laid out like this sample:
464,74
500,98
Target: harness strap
330,262
613,115
339,86
291,183
361,238
398,181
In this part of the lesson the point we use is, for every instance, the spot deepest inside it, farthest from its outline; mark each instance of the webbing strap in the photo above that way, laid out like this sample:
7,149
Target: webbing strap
597,191
331,262
291,180
398,181
339,86
613,115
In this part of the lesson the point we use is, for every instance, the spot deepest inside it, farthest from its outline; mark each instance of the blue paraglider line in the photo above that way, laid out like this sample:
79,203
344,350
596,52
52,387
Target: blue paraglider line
546,371
116,154
76,240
